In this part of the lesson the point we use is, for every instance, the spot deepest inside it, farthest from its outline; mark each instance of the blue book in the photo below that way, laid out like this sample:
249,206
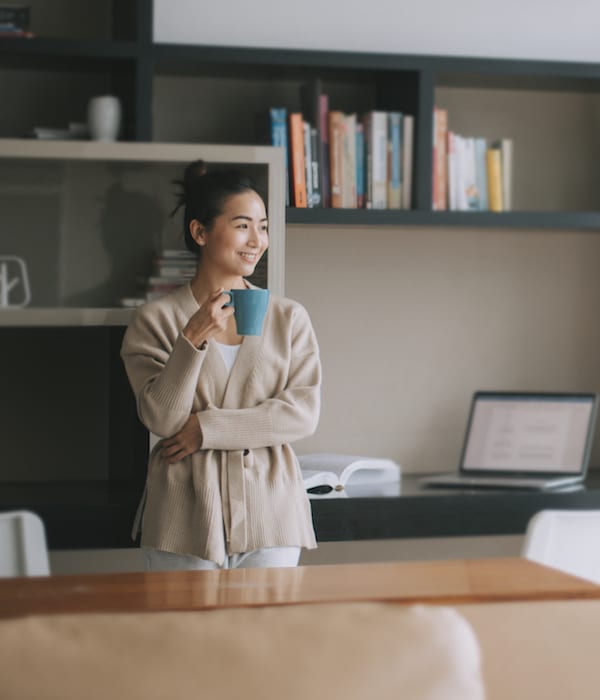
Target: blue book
360,166
481,173
279,137
394,198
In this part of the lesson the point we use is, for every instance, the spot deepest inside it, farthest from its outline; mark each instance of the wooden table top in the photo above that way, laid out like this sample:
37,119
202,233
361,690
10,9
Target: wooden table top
455,581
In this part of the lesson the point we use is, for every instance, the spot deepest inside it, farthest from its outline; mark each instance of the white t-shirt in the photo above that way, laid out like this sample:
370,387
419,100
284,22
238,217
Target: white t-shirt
229,353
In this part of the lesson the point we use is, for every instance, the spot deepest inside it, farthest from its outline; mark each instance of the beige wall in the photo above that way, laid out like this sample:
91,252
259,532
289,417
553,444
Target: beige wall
411,321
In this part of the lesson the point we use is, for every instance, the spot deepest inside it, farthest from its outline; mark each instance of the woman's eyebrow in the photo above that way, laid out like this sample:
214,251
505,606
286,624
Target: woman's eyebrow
247,218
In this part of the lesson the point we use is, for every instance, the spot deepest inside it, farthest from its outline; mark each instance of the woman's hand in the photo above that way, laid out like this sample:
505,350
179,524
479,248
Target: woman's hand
210,319
187,441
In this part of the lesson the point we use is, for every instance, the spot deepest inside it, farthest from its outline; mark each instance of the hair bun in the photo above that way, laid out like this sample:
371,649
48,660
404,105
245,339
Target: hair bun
193,171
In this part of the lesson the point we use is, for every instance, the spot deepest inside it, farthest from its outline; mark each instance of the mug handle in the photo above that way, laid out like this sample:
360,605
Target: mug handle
230,295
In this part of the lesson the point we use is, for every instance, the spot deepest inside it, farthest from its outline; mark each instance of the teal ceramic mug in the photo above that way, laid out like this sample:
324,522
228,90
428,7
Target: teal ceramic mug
249,309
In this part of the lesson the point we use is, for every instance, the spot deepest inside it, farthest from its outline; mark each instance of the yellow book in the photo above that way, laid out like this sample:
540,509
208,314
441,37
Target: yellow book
494,173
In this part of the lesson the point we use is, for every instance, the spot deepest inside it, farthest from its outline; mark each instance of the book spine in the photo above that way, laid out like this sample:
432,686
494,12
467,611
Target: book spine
407,159
278,116
506,151
481,173
394,193
349,162
376,138
360,165
297,166
440,192
315,167
324,148
471,191
494,173
336,135
452,176
308,163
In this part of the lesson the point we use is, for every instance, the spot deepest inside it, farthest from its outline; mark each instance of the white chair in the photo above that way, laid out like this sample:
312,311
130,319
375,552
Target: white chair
23,549
568,540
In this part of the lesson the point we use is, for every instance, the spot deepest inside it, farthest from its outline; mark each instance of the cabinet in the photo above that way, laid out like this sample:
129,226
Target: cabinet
211,94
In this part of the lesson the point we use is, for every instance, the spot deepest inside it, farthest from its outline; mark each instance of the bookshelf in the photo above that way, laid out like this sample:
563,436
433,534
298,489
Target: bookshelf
165,89
104,210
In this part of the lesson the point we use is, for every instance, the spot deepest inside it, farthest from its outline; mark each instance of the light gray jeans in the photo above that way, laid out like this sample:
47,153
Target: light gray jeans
157,560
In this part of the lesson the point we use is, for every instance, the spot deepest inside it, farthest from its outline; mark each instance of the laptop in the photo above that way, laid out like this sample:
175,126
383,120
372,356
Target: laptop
517,440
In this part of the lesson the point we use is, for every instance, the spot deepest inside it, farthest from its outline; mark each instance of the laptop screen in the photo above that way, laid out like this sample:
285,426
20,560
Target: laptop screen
529,433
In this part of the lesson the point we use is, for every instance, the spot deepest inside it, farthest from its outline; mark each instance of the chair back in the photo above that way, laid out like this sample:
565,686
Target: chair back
23,548
568,540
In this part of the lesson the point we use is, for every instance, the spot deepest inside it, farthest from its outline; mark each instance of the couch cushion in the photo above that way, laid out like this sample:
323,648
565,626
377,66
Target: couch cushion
349,651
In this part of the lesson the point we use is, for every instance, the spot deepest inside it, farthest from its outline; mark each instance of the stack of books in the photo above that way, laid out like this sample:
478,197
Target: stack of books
171,268
14,21
470,173
341,160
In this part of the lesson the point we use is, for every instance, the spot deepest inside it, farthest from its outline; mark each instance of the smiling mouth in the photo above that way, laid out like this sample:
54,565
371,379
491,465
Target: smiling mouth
249,257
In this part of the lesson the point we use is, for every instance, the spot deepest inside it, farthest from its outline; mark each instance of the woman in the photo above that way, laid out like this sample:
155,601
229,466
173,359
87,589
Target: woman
223,488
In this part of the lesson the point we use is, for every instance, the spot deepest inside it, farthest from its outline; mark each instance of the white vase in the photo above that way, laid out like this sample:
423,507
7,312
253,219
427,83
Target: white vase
104,117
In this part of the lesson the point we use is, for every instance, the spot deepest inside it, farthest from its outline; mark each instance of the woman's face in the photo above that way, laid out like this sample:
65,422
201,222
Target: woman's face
237,238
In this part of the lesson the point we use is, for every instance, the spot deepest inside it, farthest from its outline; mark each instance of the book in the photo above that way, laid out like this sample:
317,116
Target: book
375,124
278,119
481,173
324,148
311,105
349,200
440,184
315,170
408,122
308,163
506,155
297,165
394,197
336,162
360,165
494,173
328,472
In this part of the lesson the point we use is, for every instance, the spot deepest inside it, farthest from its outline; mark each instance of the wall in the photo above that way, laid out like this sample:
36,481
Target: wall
540,29
411,321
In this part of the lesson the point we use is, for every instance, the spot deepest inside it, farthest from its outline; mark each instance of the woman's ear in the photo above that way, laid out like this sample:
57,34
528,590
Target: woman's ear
197,232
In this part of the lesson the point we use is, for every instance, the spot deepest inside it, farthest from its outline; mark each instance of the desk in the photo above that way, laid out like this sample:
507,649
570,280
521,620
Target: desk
435,582
89,515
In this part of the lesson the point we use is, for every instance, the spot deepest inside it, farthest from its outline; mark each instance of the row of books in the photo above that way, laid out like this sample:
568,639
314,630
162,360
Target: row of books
14,21
342,160
470,173
171,268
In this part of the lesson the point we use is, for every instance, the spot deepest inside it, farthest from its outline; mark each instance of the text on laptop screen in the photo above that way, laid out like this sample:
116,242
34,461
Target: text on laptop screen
528,435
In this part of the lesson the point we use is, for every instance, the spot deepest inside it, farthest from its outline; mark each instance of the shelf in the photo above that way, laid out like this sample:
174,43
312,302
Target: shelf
68,48
484,219
64,317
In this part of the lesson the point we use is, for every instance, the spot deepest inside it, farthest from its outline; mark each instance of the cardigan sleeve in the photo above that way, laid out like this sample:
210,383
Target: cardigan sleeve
290,415
163,373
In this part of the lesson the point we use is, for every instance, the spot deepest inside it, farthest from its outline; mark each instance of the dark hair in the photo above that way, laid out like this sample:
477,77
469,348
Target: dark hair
203,194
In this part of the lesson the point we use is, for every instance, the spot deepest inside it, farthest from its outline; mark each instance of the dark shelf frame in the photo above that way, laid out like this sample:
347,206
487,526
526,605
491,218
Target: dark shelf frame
134,53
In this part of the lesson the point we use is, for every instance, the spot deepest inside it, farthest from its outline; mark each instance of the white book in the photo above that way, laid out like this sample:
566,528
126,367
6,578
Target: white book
337,471
506,148
376,147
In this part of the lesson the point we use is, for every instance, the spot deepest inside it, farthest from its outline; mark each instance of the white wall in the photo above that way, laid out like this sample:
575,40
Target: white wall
536,29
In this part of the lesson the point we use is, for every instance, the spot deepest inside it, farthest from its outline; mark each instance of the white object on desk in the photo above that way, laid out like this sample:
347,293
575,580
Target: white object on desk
332,473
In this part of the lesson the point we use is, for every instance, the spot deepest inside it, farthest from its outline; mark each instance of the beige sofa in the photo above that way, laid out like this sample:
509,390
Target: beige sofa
341,651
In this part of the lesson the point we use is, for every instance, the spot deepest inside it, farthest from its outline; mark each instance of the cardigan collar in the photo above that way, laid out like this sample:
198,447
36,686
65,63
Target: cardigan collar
228,386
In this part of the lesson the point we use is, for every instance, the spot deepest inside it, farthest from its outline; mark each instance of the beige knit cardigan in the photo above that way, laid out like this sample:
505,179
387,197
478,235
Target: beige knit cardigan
243,489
